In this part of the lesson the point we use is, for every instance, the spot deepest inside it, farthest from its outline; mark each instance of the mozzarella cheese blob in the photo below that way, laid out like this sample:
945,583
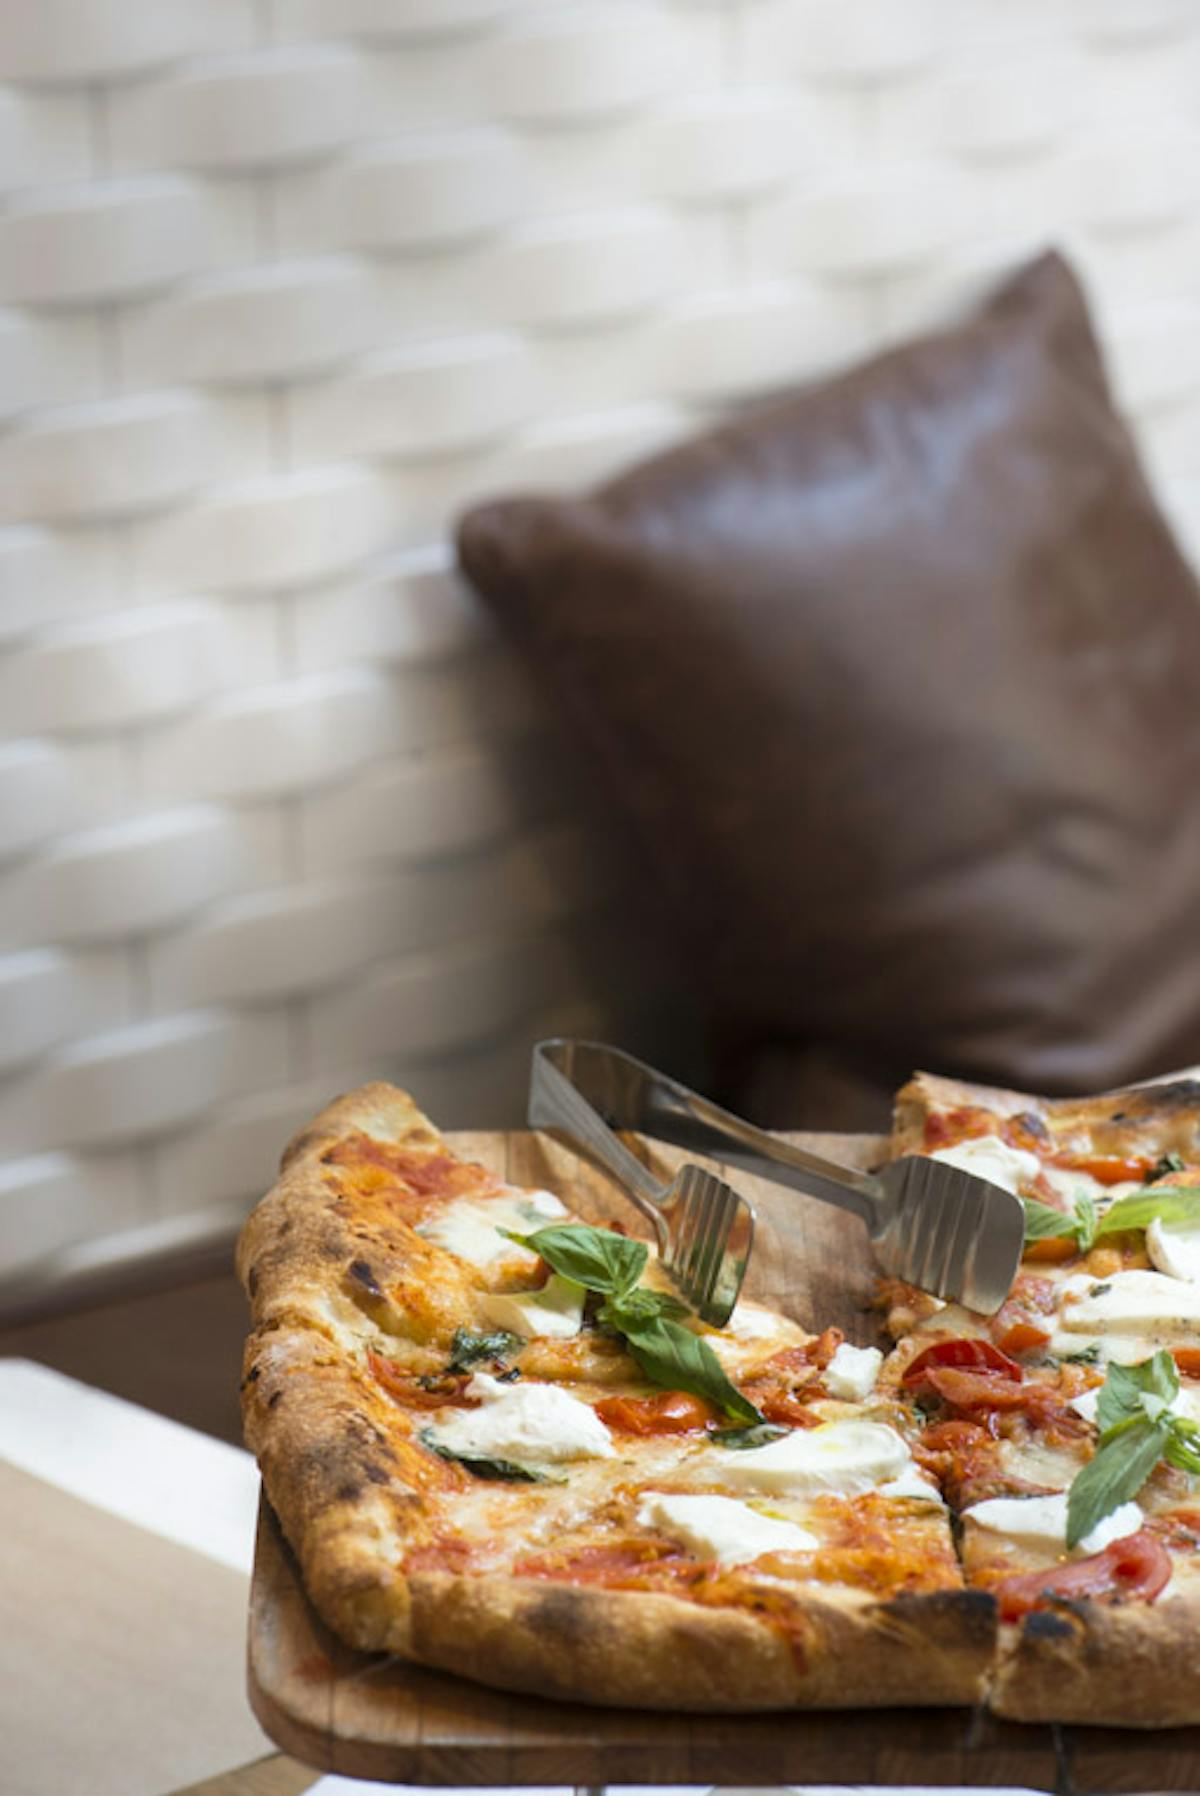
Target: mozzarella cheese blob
1174,1247
1140,1303
530,1423
750,1323
1042,1522
721,1528
471,1228
852,1372
844,1458
987,1157
557,1309
913,1483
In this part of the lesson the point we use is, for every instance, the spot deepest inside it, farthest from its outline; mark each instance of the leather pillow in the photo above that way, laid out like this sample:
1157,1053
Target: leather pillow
893,680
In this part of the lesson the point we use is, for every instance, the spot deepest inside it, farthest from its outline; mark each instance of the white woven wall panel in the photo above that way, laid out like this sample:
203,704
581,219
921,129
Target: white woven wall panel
269,323
140,1081
43,137
245,112
117,238
115,883
50,1199
277,530
96,40
283,287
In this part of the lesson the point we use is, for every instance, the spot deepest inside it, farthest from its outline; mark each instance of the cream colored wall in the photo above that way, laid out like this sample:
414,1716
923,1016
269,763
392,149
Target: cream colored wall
286,282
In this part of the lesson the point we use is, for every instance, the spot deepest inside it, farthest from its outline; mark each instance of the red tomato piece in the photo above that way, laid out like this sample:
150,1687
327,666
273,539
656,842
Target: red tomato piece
1023,1337
985,1389
1109,1169
1138,1567
979,1355
1188,1360
668,1412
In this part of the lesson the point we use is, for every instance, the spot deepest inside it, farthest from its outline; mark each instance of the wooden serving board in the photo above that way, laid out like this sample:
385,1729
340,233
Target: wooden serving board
376,1717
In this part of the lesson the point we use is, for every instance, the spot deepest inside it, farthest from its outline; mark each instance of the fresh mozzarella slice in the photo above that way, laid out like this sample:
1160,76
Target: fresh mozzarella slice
471,1228
1071,1185
852,1372
557,1309
1143,1303
1086,1404
1042,1522
750,1323
525,1422
913,1483
990,1158
1174,1247
721,1528
846,1458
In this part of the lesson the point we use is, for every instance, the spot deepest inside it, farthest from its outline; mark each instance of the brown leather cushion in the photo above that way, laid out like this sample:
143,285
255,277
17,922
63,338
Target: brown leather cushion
894,682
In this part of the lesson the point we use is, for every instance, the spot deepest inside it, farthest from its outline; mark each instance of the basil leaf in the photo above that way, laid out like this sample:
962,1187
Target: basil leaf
598,1258
1087,1225
1169,1203
506,1469
1125,1386
1182,1446
467,1348
673,1356
639,1307
741,1439
1121,1465
1042,1223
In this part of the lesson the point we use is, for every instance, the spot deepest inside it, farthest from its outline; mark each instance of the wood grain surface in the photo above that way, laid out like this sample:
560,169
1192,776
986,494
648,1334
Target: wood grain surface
376,1717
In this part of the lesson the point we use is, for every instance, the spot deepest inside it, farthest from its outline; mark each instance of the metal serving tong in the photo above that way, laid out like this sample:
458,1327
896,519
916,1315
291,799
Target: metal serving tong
932,1225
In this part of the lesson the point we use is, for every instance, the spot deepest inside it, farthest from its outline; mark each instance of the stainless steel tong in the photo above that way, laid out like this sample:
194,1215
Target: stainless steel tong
933,1225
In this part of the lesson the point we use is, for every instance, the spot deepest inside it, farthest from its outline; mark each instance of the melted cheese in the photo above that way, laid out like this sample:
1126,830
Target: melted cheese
1174,1247
852,1372
1133,1303
557,1309
722,1528
987,1157
1042,1522
845,1458
526,1422
471,1228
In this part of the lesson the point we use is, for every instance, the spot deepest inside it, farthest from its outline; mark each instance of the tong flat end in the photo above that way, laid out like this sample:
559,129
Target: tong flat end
950,1232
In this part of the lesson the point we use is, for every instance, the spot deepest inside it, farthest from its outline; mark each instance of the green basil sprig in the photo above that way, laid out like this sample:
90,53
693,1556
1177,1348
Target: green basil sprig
1168,1203
1137,1429
483,1466
669,1354
467,1348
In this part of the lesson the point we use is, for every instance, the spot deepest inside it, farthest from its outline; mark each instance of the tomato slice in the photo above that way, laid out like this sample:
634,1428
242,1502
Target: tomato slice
1188,1360
963,1388
408,1389
1137,1566
667,1412
977,1354
1109,1169
1023,1337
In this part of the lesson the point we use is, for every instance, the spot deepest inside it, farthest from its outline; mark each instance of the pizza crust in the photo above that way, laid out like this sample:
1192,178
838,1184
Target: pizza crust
1158,1118
1129,1666
644,1650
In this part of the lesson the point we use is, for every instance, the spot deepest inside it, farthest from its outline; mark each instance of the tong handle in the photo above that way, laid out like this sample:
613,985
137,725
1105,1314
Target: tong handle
555,1103
611,1085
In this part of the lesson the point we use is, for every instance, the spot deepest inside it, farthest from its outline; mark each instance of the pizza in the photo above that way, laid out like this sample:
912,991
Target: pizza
498,1446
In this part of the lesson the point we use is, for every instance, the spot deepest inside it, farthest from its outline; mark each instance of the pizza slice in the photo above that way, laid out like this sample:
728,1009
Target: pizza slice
498,1446
1065,1430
